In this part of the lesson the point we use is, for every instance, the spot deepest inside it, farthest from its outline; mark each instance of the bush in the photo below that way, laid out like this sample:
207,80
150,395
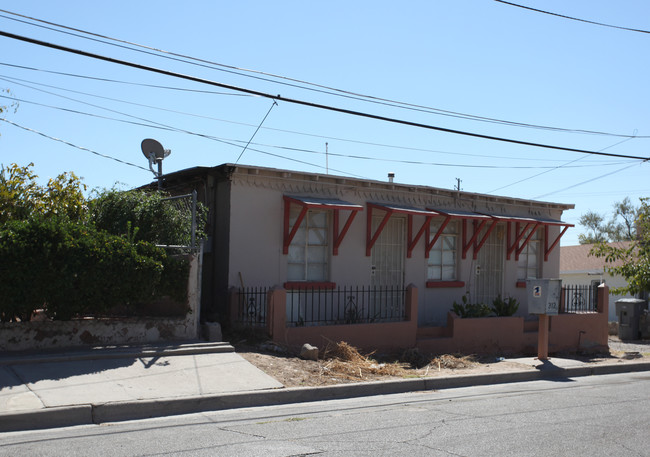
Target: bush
71,268
467,309
504,308
144,216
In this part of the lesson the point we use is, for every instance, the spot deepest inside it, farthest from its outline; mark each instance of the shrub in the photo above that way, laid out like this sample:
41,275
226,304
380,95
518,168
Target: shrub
505,307
467,309
71,268
144,216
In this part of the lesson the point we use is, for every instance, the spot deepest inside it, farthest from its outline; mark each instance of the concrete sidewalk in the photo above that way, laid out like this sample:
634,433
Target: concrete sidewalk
100,385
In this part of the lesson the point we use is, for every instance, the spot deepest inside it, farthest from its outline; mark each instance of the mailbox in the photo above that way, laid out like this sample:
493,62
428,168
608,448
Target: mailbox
544,296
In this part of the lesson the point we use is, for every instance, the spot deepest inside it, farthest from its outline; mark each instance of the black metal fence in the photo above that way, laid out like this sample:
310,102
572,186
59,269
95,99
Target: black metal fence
580,299
251,307
349,305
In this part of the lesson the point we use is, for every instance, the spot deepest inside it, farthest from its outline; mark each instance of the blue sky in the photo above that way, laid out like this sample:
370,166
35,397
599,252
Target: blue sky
479,58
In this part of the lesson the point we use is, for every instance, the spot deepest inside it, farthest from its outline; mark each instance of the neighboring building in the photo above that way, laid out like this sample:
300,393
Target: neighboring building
270,227
578,267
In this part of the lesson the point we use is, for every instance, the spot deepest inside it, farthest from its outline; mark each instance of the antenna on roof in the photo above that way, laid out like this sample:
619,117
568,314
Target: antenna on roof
154,152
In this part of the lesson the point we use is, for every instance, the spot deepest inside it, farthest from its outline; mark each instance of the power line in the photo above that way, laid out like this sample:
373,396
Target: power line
303,102
555,168
73,145
572,18
95,78
587,181
255,132
369,143
320,88
231,142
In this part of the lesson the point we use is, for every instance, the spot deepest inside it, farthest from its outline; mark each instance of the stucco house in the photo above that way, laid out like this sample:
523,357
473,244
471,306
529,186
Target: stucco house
298,230
578,267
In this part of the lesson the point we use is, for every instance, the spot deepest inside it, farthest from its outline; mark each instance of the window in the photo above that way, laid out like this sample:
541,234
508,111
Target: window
441,264
528,264
308,252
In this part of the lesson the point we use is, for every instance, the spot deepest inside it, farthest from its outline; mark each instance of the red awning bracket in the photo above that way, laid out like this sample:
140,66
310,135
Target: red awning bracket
431,242
389,210
474,240
547,248
413,240
307,203
521,239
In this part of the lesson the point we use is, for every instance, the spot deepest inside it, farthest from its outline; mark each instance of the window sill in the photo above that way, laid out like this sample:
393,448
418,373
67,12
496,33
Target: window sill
302,285
439,284
521,284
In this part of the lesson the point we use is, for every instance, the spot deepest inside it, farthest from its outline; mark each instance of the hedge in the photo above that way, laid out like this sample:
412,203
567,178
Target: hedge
71,269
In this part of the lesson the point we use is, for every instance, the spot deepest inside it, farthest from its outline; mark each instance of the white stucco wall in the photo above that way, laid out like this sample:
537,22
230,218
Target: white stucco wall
256,236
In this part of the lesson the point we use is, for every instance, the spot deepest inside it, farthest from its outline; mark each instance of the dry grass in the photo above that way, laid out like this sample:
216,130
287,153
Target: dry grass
455,361
341,359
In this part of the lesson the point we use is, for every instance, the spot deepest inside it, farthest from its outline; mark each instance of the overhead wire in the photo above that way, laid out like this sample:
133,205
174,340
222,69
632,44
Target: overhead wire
96,78
554,168
369,143
231,142
573,18
303,102
124,162
162,127
587,181
321,88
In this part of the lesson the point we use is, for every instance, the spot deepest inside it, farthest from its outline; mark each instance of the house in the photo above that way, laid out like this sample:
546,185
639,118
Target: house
303,231
578,267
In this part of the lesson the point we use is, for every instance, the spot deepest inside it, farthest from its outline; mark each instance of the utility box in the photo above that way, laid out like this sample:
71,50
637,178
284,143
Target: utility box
629,311
544,296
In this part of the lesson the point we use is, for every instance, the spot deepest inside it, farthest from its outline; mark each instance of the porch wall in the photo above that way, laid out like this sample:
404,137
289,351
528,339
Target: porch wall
490,335
504,335
381,336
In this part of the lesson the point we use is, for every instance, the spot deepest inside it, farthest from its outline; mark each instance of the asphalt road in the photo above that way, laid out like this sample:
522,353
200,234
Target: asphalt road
587,416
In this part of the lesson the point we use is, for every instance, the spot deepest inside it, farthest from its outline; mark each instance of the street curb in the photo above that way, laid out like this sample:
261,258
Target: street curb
64,416
145,409
119,353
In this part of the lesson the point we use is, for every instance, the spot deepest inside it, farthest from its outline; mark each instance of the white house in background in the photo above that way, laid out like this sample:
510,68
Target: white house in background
577,267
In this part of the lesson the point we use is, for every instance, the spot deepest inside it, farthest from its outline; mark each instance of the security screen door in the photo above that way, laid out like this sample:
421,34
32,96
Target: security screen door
388,253
488,268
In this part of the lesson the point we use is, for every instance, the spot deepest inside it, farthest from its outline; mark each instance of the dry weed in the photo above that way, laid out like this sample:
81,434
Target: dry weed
344,360
454,361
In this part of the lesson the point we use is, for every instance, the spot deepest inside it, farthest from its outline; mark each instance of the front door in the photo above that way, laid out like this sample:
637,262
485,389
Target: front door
488,268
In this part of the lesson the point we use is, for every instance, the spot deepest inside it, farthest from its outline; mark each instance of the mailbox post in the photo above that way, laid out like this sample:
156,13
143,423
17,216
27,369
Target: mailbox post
544,300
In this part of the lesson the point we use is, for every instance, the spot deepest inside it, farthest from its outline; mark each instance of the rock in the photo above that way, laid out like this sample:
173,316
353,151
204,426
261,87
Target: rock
309,352
212,331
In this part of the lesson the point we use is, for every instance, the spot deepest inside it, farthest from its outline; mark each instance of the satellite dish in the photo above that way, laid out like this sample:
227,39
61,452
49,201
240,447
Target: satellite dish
153,150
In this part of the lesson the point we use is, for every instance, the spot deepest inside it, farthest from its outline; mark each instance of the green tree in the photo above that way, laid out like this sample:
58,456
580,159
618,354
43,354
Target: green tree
594,223
635,259
21,197
621,226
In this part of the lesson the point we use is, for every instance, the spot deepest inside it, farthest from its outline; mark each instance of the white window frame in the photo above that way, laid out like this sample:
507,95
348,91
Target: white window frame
527,266
309,241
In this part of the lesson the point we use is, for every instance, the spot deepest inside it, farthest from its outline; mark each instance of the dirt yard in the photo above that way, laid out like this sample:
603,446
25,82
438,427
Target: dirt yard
340,363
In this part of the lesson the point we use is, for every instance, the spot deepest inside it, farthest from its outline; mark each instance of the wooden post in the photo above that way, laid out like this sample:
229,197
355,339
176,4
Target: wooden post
542,337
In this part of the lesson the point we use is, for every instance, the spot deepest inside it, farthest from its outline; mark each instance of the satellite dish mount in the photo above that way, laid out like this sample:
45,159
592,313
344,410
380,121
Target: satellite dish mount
155,153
